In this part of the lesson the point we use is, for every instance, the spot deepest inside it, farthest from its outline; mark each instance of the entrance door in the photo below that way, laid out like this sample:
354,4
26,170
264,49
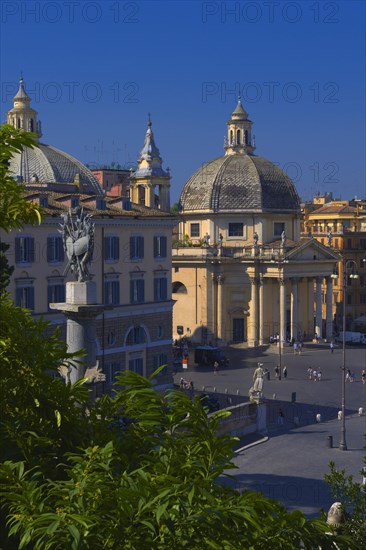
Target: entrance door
238,330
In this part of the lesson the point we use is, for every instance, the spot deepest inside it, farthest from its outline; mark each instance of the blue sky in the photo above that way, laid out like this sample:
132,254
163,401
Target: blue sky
95,69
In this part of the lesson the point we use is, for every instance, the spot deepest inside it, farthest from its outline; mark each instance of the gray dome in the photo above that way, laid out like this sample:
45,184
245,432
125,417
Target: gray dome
240,182
46,164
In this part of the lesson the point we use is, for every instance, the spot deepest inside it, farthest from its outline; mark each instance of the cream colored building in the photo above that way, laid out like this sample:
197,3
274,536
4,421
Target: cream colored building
241,272
132,253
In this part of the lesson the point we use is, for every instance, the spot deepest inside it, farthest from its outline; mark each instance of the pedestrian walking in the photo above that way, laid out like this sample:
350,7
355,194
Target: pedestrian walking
331,346
348,376
216,367
363,376
315,375
277,371
295,348
310,373
299,348
319,375
280,417
284,372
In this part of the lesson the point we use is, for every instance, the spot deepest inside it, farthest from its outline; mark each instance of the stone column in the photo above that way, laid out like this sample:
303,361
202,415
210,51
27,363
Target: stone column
254,313
220,307
262,288
294,318
329,313
149,196
310,315
213,305
282,283
318,311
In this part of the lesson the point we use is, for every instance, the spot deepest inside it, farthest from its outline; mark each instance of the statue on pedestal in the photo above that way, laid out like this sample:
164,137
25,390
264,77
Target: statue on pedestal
255,392
78,239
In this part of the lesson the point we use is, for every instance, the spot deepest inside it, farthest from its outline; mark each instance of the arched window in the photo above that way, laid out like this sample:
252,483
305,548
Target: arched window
231,137
18,122
136,335
246,137
31,125
238,137
179,288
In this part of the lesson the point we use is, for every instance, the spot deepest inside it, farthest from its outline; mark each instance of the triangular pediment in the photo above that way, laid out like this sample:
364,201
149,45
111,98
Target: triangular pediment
311,249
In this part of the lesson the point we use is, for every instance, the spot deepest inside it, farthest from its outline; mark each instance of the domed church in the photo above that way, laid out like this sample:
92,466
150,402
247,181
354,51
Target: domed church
241,272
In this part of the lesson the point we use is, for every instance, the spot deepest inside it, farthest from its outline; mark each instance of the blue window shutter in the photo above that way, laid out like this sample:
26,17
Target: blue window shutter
18,297
50,255
164,289
163,247
61,249
106,248
116,248
156,249
131,291
156,289
31,250
132,248
141,247
50,297
17,251
30,304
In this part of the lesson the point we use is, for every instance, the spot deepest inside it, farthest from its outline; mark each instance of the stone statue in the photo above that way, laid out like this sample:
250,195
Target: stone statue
255,238
336,515
221,238
255,391
78,239
330,235
283,239
91,374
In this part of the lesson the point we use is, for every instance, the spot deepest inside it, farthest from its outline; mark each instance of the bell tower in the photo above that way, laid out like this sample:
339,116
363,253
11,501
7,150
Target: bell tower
150,176
22,116
240,139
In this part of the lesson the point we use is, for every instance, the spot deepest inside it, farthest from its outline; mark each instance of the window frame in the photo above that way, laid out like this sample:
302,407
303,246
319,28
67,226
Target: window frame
136,248
24,249
235,234
111,248
55,249
197,226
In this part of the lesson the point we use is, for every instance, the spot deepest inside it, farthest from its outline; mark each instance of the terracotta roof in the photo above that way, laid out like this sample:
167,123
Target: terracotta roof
334,209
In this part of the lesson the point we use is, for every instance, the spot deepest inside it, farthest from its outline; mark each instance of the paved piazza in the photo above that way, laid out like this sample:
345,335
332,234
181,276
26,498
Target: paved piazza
291,464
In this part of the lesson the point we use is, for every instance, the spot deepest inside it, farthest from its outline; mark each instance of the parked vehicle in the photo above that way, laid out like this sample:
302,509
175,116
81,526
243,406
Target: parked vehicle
352,337
207,355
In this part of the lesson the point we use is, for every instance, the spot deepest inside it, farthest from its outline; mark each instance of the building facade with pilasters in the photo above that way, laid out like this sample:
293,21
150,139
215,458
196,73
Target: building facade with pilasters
241,272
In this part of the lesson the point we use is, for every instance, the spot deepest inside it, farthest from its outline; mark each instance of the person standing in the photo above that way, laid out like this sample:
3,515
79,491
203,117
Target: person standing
331,346
284,372
216,367
363,376
277,371
280,417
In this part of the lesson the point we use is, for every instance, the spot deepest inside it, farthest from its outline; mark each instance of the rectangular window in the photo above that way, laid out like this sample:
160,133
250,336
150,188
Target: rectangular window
278,227
349,299
111,248
236,230
160,289
362,298
112,370
159,361
55,249
349,244
137,291
136,247
136,365
111,292
363,244
195,229
56,293
25,297
24,250
160,246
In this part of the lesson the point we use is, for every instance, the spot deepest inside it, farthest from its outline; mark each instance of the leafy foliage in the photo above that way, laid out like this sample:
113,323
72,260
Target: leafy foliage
5,269
352,495
15,210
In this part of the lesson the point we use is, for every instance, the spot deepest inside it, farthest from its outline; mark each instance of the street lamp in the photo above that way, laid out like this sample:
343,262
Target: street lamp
346,264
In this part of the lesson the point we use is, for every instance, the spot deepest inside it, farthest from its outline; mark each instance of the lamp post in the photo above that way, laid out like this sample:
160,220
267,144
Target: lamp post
346,264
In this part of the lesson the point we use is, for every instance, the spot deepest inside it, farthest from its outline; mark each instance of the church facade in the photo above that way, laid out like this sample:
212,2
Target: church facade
241,271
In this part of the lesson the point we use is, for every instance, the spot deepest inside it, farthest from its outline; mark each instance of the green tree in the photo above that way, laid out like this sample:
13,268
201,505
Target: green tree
6,269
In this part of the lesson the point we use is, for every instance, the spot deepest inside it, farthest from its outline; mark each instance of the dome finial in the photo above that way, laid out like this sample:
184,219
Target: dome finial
149,120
